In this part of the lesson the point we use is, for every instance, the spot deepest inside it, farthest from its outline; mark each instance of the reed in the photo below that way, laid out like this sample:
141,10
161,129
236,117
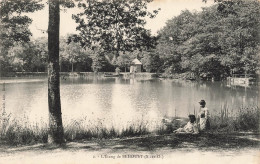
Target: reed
246,119
14,132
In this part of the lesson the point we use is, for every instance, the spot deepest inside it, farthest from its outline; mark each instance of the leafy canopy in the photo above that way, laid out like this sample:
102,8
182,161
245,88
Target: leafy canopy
14,25
114,25
215,42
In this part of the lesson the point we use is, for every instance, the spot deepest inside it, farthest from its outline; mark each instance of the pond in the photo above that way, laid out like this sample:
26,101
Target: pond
119,102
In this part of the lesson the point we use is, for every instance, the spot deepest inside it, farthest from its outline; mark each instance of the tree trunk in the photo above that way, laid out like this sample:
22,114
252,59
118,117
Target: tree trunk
56,134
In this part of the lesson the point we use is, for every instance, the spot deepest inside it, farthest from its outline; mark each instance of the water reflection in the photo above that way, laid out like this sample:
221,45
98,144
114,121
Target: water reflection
118,102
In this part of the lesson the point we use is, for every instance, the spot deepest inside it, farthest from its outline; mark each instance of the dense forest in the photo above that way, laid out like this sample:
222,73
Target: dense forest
219,41
216,42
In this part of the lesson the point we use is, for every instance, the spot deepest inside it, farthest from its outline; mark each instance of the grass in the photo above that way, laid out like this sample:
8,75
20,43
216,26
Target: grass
13,132
246,119
77,131
16,135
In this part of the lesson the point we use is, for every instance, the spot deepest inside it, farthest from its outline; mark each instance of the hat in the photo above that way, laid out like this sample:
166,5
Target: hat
202,102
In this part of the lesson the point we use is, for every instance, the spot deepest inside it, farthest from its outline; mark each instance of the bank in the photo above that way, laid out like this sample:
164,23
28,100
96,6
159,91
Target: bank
196,149
184,76
82,74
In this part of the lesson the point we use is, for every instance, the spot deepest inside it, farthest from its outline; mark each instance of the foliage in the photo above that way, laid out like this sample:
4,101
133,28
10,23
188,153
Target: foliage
124,61
151,61
215,42
114,26
73,54
27,57
221,40
14,26
98,62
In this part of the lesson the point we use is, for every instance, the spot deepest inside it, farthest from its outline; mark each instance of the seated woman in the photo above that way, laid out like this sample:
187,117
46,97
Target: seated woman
191,127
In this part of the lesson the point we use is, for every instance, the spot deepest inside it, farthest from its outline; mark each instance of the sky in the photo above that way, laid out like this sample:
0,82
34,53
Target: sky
169,9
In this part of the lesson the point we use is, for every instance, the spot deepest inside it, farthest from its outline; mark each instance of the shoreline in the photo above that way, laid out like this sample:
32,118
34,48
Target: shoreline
153,149
177,76
80,74
206,141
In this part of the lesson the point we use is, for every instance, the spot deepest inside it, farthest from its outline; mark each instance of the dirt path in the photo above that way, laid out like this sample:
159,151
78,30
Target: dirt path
174,149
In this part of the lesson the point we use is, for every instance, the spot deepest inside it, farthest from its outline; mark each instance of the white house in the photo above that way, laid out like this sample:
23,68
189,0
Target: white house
135,66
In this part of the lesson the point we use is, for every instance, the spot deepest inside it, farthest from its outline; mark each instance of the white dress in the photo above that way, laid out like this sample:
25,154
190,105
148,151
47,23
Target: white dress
188,128
204,116
191,128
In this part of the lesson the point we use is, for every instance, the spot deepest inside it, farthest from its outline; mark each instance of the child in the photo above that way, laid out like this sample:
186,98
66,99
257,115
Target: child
190,127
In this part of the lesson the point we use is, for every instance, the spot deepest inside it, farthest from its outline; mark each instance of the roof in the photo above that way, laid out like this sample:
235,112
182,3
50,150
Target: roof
136,61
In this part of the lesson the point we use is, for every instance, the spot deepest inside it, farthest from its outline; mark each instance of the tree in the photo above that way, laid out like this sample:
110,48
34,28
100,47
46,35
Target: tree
73,53
14,27
56,133
177,31
214,42
124,60
242,40
41,45
24,57
152,61
16,57
99,62
114,26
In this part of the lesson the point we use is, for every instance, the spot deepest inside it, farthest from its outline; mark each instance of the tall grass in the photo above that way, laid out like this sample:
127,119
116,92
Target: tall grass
77,130
246,119
14,132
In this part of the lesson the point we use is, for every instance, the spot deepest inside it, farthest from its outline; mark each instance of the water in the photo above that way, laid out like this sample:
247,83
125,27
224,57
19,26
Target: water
120,102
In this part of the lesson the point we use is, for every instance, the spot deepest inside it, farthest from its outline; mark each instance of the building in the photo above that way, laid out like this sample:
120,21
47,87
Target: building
136,66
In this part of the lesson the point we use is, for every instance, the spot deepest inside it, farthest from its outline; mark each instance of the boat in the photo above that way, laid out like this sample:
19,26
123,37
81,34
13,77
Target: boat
190,79
111,75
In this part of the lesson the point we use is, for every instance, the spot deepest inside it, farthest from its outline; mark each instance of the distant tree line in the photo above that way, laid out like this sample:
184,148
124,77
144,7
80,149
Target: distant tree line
32,57
218,41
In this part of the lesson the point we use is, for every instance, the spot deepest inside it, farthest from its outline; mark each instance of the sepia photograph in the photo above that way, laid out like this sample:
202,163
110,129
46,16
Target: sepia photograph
129,81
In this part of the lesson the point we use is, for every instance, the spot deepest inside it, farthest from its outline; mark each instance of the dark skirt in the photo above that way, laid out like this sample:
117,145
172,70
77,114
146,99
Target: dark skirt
207,124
